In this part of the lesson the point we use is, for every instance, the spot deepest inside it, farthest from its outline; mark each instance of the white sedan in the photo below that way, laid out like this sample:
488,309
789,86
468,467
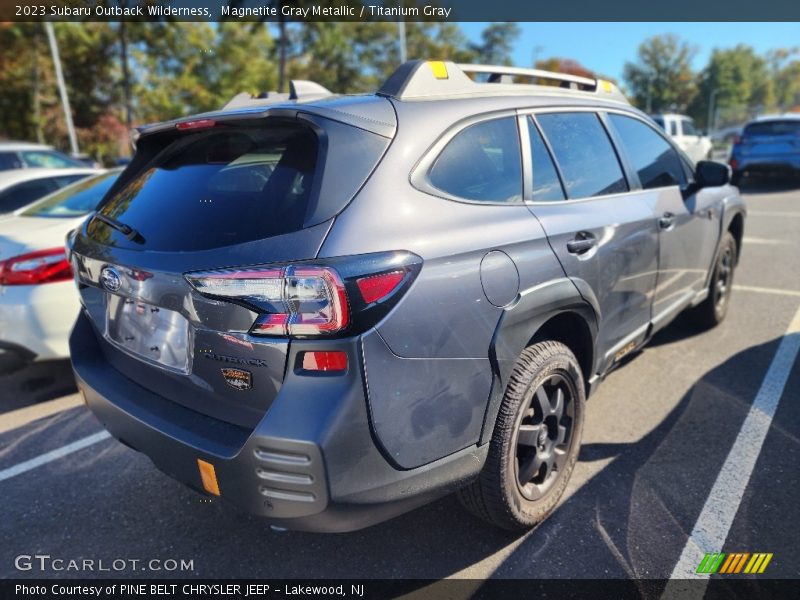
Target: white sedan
38,299
20,187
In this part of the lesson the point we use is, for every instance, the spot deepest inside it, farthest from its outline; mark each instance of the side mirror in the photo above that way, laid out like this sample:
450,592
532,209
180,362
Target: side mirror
712,174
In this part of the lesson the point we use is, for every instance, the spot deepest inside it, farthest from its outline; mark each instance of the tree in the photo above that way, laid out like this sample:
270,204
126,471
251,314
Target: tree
740,82
497,42
784,66
564,65
662,78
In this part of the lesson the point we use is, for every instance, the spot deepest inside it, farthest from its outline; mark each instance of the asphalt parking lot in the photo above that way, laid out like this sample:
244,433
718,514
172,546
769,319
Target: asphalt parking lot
657,434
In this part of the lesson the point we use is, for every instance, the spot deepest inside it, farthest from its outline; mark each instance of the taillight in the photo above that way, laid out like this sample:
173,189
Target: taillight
377,287
737,140
42,266
733,163
343,296
300,300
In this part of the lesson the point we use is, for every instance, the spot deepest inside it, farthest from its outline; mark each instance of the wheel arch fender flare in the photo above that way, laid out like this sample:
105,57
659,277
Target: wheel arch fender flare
518,327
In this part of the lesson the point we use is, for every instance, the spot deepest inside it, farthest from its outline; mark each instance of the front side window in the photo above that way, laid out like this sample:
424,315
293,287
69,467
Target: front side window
584,154
481,163
655,160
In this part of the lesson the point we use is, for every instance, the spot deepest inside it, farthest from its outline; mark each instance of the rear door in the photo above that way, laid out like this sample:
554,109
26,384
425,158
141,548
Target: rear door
604,236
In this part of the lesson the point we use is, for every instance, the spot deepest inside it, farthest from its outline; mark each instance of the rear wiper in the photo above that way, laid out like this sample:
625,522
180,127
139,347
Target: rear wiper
126,230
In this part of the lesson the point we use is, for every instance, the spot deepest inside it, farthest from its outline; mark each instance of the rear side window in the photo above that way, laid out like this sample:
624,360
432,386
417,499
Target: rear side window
584,154
481,163
21,194
659,121
546,185
773,128
218,188
75,200
655,160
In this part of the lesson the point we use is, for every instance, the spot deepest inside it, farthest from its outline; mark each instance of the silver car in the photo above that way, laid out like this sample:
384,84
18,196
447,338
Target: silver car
333,310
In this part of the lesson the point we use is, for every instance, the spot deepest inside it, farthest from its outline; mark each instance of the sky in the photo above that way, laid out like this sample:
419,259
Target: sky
605,47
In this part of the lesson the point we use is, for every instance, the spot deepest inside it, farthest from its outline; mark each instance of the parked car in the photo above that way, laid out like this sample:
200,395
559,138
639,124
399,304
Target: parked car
26,155
680,128
20,188
767,146
332,311
38,300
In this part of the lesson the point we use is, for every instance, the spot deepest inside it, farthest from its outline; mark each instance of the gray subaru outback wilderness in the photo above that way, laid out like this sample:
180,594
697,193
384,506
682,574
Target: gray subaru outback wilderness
331,310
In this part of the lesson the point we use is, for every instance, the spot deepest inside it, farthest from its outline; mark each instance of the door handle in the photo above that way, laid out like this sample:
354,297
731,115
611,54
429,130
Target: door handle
666,221
582,243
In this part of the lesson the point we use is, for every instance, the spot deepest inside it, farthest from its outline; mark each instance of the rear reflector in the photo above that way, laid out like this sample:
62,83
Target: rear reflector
209,477
377,287
324,361
199,124
42,266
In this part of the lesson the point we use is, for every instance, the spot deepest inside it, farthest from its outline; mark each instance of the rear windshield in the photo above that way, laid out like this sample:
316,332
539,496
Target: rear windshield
217,188
773,128
75,200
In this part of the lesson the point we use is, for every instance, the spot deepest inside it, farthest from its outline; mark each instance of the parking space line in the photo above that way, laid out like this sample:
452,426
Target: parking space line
772,213
763,290
80,444
23,416
767,241
715,520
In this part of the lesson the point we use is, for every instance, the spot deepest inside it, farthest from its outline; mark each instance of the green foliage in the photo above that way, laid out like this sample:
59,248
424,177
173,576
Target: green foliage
497,42
662,74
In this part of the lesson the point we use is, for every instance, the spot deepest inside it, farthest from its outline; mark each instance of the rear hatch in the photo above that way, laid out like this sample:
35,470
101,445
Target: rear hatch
770,138
211,194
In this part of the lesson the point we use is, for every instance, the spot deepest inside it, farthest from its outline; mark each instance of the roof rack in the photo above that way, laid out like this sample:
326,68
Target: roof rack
299,89
422,80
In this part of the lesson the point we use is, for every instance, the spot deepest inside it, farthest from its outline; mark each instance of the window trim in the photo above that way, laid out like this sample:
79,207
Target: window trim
419,178
631,176
527,164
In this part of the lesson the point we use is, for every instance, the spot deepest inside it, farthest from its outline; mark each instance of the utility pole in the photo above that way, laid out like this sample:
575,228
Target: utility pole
126,76
649,108
401,33
62,88
711,107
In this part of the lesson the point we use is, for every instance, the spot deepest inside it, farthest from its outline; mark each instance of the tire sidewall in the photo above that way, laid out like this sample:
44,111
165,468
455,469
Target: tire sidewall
721,310
522,509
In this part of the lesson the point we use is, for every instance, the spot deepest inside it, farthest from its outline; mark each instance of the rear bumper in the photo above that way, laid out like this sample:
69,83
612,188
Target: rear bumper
310,464
779,163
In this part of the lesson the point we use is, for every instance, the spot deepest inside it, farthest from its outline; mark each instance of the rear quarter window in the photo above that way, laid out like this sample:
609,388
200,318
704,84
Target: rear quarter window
481,163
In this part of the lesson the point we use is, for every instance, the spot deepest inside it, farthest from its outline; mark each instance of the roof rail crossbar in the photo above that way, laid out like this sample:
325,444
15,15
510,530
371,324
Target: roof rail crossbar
429,80
299,89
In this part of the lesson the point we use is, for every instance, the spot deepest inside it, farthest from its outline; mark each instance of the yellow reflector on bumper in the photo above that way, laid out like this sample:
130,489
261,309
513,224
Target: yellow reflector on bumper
209,477
438,68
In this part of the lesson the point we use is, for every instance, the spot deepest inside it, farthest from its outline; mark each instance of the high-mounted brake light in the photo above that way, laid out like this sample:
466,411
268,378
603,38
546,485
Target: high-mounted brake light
199,124
377,287
42,266
307,300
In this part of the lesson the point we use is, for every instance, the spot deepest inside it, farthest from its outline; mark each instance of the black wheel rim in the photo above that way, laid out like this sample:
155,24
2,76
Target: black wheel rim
543,436
724,276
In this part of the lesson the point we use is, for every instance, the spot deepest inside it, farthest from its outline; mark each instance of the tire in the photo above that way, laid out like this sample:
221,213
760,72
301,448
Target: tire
520,442
711,312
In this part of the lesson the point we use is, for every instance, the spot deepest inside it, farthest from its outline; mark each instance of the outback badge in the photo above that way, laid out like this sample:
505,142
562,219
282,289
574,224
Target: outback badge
238,378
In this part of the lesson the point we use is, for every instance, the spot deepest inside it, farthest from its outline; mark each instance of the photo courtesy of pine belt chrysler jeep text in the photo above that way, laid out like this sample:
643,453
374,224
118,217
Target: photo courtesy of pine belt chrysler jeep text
329,310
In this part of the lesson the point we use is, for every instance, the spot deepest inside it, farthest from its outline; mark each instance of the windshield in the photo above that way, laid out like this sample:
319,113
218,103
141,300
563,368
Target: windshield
75,200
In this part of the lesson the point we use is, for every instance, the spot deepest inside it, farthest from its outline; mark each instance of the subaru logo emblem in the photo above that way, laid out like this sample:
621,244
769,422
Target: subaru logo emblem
110,279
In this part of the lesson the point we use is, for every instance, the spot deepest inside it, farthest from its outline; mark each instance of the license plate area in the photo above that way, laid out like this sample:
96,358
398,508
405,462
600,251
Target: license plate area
151,333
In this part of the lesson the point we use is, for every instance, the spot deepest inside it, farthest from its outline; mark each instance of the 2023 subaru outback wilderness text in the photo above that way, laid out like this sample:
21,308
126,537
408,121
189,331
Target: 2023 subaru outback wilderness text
331,311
